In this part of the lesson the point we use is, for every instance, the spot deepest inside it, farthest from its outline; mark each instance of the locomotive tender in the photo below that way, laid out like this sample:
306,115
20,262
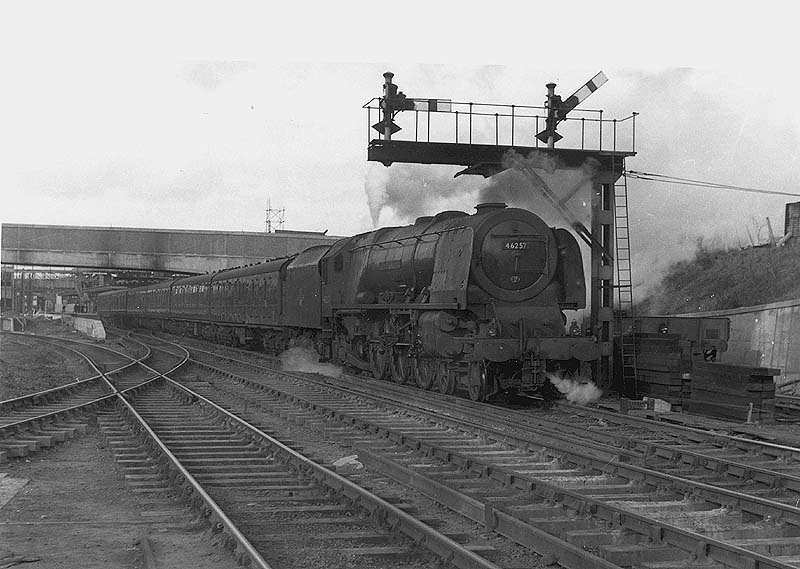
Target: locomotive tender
454,301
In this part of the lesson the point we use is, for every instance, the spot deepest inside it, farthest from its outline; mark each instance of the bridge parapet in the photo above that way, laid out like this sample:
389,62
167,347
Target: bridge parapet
168,250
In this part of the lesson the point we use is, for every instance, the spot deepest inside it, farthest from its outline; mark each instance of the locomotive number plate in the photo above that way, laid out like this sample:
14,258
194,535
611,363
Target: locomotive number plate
516,245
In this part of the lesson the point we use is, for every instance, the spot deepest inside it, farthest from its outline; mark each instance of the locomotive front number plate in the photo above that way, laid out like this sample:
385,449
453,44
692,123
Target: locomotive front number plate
516,245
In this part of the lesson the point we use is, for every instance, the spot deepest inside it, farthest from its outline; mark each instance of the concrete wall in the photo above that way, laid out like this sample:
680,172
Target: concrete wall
768,336
89,326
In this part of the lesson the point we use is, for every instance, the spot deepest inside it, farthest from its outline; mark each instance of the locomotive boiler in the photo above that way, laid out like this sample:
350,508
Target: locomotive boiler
473,303
457,301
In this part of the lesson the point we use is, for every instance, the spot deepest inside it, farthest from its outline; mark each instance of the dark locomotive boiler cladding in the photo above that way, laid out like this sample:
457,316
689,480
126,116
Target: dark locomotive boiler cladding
458,301
473,303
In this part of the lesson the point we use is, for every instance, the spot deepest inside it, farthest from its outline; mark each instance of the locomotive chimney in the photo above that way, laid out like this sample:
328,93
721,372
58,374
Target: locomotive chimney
489,206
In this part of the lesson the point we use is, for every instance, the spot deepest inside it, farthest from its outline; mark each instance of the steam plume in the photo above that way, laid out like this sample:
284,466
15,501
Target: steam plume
576,391
527,180
414,190
307,360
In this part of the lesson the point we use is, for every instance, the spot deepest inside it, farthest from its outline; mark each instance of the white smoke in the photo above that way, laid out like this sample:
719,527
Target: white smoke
307,360
408,191
528,179
375,185
578,391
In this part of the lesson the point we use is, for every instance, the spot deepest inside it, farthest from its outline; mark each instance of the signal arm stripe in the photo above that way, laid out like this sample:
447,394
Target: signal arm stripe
590,87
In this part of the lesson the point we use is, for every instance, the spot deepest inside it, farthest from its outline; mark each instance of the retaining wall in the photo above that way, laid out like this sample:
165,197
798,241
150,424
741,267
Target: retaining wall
768,336
89,326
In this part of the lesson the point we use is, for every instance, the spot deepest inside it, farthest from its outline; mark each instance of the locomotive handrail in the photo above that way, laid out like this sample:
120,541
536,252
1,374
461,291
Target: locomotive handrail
353,308
409,238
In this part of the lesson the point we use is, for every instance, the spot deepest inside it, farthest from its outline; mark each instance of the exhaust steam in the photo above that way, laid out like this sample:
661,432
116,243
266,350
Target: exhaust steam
306,360
540,183
578,391
404,192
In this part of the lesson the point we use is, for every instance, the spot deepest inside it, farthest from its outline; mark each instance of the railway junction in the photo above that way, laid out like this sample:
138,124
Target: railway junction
182,452
366,473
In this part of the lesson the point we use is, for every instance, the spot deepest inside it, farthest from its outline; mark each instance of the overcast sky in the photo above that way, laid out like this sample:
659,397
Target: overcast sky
107,119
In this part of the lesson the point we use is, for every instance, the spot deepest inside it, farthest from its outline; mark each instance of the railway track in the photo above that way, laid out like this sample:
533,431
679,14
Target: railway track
593,497
40,420
680,509
789,407
260,488
715,458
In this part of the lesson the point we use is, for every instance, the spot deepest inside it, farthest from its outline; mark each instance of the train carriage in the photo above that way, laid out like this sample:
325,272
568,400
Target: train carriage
114,303
189,298
150,300
453,301
248,295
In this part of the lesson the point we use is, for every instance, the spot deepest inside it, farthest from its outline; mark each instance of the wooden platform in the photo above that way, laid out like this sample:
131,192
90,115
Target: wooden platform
727,391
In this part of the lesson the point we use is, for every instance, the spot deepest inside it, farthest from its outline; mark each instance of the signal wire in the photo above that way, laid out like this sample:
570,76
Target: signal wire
687,182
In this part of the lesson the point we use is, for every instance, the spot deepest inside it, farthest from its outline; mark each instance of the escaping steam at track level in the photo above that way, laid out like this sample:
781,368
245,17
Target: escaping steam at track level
307,360
576,391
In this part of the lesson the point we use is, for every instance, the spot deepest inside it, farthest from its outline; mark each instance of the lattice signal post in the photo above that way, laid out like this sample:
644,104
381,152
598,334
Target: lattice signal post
274,218
488,138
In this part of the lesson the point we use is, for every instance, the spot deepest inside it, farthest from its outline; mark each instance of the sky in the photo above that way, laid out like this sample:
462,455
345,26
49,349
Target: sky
189,117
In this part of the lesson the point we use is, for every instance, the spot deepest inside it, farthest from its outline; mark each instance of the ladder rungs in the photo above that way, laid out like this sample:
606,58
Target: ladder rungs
622,240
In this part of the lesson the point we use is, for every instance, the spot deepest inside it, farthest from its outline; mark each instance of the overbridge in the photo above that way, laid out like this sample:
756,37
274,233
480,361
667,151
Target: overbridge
165,250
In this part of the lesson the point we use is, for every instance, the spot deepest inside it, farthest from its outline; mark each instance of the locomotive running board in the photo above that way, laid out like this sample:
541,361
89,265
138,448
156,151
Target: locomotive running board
362,307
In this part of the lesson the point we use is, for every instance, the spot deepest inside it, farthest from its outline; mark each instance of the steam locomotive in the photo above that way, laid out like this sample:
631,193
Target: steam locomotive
473,303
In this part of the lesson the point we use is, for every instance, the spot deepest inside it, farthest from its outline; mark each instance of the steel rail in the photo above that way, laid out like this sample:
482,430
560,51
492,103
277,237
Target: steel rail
217,514
683,429
724,495
32,421
676,536
711,436
757,473
762,506
435,541
686,540
58,341
788,404
32,397
653,449
134,361
209,502
712,548
522,533
53,390
17,428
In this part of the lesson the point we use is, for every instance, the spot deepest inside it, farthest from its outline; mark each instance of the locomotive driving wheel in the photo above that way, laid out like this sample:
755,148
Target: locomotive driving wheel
380,362
477,381
424,372
400,365
445,379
